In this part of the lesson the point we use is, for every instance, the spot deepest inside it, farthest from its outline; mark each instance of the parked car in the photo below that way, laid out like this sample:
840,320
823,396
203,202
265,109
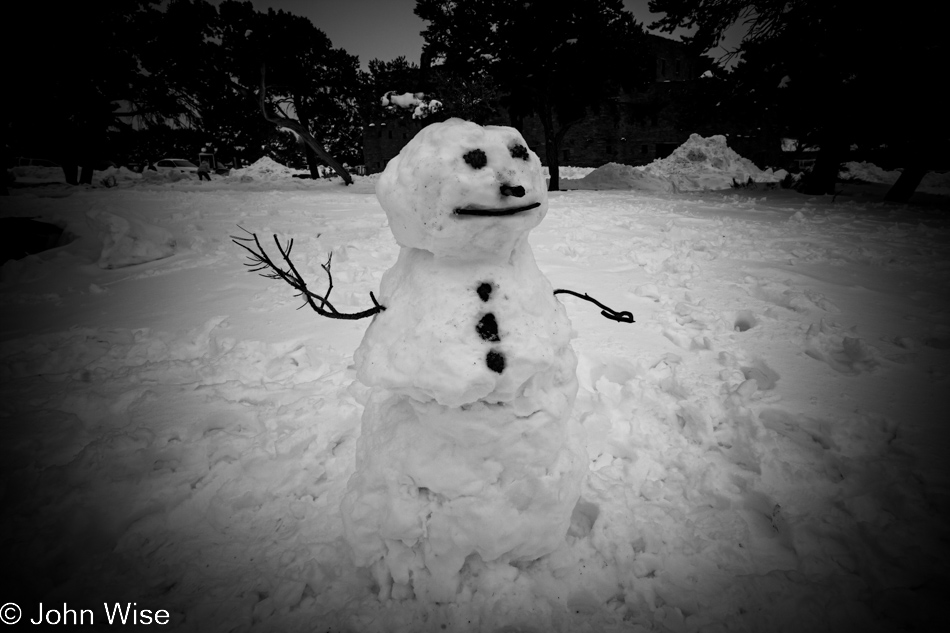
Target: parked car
176,164
798,165
22,161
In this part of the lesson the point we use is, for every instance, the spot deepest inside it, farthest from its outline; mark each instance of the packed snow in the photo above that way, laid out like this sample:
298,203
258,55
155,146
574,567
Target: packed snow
766,445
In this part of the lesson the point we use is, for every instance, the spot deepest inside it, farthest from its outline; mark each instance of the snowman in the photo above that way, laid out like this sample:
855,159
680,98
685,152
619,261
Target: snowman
467,444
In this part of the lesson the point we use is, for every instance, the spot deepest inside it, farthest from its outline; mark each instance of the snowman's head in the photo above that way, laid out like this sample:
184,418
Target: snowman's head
459,189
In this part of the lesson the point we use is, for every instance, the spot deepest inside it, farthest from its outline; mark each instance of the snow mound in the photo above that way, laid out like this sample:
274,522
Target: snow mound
699,164
119,173
265,168
126,241
934,182
34,174
37,174
868,172
617,176
568,172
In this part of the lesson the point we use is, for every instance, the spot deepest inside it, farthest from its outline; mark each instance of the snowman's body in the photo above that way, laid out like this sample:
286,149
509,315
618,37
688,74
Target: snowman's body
466,444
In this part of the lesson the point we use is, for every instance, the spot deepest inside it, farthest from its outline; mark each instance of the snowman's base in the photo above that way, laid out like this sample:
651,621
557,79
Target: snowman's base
415,580
435,485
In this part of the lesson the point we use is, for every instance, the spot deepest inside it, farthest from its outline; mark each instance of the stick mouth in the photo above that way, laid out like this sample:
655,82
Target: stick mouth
496,212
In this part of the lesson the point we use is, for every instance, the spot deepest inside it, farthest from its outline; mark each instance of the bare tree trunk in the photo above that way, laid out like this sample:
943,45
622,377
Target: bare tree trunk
517,122
302,132
823,177
552,145
310,155
550,149
907,183
312,163
85,175
70,171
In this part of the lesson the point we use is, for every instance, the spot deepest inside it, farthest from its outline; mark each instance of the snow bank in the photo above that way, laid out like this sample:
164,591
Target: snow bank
37,175
699,164
566,171
934,182
128,241
868,172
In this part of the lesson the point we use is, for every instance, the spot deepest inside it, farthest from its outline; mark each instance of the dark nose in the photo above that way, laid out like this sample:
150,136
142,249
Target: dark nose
508,190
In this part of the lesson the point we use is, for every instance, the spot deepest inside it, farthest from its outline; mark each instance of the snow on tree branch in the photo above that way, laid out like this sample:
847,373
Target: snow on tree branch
414,101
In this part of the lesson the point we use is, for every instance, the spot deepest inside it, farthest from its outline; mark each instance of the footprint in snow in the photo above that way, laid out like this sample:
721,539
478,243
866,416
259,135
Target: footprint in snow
848,355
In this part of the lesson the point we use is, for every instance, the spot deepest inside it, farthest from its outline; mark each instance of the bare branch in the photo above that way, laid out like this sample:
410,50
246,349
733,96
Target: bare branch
302,132
609,313
260,262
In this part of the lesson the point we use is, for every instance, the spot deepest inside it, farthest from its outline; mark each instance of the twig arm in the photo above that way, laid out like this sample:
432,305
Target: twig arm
260,262
609,313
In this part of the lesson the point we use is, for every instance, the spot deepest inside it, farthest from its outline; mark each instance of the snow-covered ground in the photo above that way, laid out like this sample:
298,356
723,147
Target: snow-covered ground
768,442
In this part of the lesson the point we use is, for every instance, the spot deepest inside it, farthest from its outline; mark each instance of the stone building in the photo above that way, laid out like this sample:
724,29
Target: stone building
629,129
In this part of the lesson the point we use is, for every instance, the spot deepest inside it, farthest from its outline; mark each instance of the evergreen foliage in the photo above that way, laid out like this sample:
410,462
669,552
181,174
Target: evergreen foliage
834,73
552,63
142,79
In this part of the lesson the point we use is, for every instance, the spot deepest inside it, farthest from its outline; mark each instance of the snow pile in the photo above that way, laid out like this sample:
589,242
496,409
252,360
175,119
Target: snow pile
567,171
265,168
868,172
617,176
36,175
127,241
119,174
933,182
936,183
467,445
699,164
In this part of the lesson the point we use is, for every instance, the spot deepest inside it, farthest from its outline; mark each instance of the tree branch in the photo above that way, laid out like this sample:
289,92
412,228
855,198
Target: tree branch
302,131
260,262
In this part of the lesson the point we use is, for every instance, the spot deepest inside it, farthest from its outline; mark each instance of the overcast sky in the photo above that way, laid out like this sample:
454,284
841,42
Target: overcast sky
382,29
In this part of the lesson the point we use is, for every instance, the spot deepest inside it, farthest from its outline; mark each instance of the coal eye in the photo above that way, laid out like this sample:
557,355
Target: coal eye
476,158
519,151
